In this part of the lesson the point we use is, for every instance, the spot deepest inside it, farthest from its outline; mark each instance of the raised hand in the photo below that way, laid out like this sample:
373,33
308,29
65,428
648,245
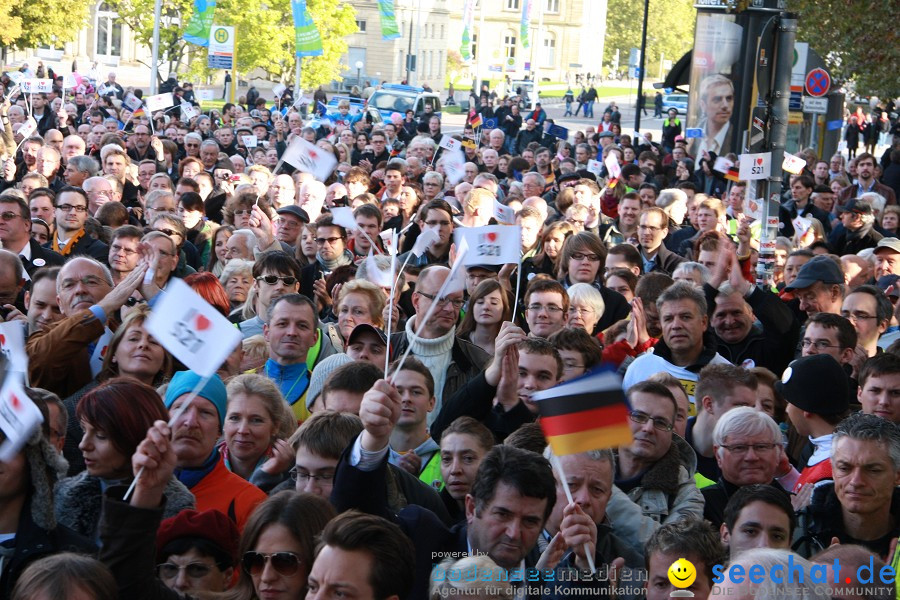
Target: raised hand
379,412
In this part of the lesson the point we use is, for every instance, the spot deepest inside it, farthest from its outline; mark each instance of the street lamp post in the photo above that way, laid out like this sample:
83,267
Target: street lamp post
359,66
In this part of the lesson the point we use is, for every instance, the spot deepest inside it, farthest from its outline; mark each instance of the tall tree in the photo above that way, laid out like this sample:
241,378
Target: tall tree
670,31
31,24
857,39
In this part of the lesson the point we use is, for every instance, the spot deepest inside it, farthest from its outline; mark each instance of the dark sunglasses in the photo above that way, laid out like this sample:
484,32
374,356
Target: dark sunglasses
273,279
133,301
284,563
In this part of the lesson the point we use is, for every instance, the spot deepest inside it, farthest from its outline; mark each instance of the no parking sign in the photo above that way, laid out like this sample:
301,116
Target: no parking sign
818,82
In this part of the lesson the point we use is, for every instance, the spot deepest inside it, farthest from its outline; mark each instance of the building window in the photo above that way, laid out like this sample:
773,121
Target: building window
549,52
509,44
361,25
108,32
512,5
552,6
474,45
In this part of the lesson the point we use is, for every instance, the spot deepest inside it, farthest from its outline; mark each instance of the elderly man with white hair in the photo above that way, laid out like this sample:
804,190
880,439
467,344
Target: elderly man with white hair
312,198
776,574
748,448
675,204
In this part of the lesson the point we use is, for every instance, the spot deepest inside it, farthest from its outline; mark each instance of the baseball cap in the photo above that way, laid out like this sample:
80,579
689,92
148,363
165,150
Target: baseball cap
294,210
606,134
860,207
820,268
366,328
816,383
491,268
890,243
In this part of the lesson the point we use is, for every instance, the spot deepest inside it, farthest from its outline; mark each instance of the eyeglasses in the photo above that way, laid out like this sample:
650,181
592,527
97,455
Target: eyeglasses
284,563
649,228
133,301
658,422
303,477
69,208
745,448
331,241
819,344
9,216
551,309
442,302
194,570
587,310
273,279
243,213
856,316
583,256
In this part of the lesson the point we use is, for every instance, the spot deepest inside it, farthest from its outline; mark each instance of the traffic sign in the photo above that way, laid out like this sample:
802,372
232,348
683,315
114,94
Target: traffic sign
818,82
816,106
221,47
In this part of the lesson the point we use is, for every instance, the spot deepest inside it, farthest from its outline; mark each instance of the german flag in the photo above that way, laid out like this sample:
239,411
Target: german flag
588,413
732,174
476,121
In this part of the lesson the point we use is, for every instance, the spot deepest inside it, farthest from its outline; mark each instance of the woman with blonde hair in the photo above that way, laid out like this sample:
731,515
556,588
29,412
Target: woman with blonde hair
359,301
257,423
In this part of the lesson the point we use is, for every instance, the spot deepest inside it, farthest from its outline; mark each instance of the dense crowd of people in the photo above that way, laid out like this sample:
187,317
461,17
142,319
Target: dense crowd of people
315,464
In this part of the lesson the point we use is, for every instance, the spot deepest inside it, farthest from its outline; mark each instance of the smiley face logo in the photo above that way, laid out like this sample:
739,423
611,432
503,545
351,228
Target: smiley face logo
682,573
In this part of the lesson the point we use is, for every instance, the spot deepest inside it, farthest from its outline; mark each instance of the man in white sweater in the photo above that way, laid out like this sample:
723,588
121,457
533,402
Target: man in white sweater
452,361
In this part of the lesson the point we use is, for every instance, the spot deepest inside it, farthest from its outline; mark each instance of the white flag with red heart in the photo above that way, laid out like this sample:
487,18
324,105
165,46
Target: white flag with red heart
19,417
793,164
12,345
191,329
490,245
343,216
309,158
755,166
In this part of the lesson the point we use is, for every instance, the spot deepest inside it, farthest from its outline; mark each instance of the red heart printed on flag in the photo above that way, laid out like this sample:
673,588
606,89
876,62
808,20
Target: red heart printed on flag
759,161
313,154
492,237
2,340
15,402
103,352
202,323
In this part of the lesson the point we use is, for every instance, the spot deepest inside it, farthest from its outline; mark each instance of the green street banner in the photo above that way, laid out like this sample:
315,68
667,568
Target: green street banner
307,38
465,47
526,22
389,29
197,30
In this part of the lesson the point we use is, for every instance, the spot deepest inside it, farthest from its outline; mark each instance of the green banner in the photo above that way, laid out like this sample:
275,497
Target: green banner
307,38
389,29
197,30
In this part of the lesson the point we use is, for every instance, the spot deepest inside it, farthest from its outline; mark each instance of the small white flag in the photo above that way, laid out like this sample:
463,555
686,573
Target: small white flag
389,239
453,162
503,213
595,167
426,239
755,166
793,164
612,166
343,216
27,128
19,417
450,143
100,351
456,281
72,80
249,141
160,102
188,111
490,245
192,330
206,95
801,225
384,279
279,89
722,164
16,76
132,102
37,86
309,158
12,345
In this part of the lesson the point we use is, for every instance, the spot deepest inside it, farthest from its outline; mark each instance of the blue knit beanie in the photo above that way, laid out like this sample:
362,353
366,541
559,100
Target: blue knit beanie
184,381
